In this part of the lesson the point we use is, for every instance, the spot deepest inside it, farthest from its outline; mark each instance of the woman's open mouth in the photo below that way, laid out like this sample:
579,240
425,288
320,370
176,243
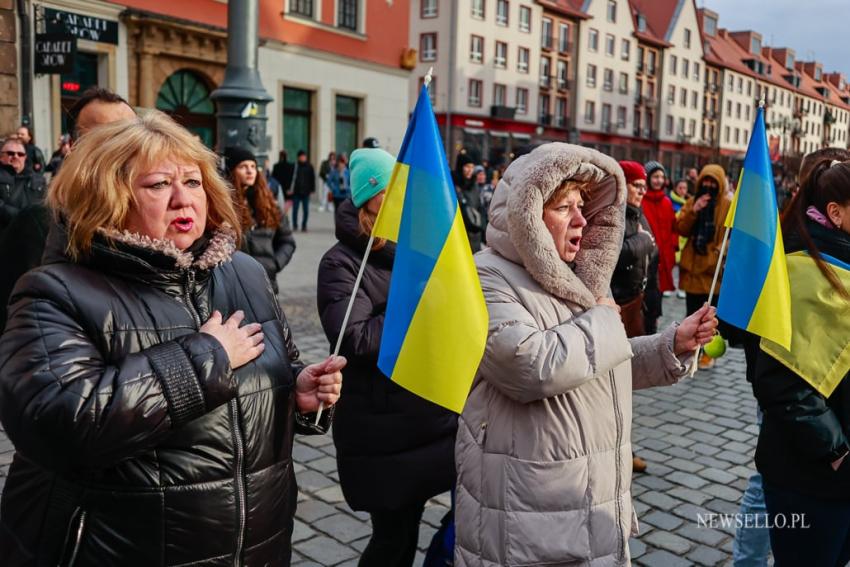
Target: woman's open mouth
183,224
574,243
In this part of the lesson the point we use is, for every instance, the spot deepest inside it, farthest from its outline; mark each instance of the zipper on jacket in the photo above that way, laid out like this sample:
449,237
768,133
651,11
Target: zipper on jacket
240,482
618,416
187,297
78,538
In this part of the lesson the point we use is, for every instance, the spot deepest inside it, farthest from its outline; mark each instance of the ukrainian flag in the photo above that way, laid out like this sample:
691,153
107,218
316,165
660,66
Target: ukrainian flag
755,294
436,320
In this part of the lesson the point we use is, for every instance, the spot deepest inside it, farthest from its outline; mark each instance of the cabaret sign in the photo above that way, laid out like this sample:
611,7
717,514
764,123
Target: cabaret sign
81,26
54,53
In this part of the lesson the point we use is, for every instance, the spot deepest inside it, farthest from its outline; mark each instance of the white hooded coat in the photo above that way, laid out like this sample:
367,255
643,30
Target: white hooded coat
543,447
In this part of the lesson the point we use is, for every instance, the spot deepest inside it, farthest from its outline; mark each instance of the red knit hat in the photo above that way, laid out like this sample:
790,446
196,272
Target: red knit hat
633,171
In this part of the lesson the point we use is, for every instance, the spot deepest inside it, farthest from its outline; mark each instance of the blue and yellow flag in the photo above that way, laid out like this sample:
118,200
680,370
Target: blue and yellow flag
436,321
755,294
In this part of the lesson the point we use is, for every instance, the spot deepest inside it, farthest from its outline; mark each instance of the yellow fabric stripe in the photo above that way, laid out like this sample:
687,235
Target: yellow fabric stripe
820,341
442,370
770,317
389,217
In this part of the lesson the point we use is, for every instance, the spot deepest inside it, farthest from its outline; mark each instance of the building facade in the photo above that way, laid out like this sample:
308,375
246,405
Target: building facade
9,99
557,102
487,62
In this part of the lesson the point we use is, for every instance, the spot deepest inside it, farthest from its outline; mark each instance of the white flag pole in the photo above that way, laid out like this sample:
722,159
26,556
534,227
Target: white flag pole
348,311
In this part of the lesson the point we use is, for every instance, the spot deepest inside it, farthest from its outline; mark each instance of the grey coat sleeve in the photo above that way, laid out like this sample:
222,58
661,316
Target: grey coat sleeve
654,363
528,363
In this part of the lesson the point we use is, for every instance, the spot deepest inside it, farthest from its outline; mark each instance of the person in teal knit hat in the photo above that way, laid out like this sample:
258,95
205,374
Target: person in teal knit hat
371,169
394,450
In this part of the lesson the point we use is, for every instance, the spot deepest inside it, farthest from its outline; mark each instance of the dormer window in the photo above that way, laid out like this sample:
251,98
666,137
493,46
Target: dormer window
818,73
641,23
755,45
710,26
789,61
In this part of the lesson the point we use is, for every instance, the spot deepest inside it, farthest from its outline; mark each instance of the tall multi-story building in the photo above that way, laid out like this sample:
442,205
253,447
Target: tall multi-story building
334,69
556,103
837,121
607,64
486,58
777,88
672,35
649,62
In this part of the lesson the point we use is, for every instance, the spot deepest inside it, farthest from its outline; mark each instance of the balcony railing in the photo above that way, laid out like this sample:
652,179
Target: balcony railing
545,119
560,121
546,81
547,42
565,46
565,85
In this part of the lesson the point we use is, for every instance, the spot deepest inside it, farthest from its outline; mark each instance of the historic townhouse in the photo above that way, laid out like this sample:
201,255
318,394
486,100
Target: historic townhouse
556,103
486,56
674,23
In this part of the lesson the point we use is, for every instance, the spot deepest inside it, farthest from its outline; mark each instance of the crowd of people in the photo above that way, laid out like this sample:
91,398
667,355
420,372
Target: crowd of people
152,387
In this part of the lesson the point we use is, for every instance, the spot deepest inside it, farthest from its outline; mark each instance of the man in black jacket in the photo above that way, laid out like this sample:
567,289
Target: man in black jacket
35,157
19,188
302,188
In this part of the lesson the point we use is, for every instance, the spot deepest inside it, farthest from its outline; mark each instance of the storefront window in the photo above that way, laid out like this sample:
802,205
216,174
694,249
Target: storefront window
347,124
72,85
185,97
297,121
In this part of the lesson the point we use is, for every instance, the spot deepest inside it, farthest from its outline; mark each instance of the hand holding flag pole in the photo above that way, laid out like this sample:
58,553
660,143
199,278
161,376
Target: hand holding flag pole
427,82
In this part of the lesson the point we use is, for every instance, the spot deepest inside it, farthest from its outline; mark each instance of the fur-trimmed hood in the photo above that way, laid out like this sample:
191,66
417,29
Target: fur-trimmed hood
517,232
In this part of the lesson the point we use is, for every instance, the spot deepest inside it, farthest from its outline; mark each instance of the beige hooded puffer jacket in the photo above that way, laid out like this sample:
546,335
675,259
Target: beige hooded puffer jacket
543,445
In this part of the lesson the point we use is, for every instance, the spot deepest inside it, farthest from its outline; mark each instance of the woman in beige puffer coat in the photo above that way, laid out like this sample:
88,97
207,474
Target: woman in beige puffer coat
543,446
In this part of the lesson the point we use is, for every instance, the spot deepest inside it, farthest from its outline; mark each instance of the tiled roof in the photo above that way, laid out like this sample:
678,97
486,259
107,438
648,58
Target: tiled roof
657,14
572,8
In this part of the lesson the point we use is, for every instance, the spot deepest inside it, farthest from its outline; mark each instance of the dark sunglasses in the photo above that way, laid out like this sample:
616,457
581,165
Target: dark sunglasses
15,154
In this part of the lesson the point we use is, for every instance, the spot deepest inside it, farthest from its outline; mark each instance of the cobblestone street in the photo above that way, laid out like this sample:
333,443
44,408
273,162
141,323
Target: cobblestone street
698,438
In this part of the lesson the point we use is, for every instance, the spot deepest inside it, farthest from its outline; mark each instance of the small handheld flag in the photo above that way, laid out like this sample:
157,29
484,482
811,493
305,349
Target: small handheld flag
755,294
436,320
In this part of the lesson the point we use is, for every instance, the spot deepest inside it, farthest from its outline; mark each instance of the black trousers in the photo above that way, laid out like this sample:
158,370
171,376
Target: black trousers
824,540
395,535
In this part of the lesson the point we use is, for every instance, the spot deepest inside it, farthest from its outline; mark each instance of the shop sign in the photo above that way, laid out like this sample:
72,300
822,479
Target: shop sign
54,53
81,26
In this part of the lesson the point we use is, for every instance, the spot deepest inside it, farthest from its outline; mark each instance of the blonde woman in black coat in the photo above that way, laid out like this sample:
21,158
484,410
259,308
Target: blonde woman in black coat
148,378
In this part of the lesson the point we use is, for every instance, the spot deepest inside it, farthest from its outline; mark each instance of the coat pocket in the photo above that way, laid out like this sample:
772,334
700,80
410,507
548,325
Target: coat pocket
546,508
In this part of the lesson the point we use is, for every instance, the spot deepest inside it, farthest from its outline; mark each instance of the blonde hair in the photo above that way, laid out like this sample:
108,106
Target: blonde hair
367,219
567,186
94,188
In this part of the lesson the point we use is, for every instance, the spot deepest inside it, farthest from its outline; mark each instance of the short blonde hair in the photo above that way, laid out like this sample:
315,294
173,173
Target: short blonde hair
94,188
565,187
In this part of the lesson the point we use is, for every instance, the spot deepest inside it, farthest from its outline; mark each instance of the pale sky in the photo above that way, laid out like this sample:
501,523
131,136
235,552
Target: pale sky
814,29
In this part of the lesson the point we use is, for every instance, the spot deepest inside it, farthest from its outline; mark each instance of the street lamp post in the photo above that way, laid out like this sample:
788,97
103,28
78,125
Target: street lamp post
241,99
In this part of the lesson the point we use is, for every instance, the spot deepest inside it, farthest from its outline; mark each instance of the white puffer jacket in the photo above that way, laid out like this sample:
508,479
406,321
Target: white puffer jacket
543,447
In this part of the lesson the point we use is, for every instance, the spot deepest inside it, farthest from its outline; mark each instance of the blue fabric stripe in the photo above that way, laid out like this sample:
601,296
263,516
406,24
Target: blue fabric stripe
753,236
430,205
746,270
835,261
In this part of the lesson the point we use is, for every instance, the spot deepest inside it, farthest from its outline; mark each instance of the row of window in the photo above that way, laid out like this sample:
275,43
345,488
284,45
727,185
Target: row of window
431,9
347,11
610,44
683,97
727,136
691,131
475,96
686,67
607,109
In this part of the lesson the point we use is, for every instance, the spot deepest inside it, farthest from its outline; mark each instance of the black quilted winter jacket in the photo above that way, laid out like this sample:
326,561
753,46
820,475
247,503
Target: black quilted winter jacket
136,443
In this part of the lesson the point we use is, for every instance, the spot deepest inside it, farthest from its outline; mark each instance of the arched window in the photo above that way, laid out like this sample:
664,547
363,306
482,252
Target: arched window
185,97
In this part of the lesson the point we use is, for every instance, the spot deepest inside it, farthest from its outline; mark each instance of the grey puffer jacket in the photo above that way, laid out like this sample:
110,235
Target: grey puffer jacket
543,447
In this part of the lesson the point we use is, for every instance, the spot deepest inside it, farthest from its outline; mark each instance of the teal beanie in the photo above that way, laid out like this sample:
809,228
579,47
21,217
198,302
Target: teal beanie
371,169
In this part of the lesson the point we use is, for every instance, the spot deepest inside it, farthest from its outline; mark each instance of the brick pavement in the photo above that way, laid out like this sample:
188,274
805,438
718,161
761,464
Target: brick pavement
698,438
